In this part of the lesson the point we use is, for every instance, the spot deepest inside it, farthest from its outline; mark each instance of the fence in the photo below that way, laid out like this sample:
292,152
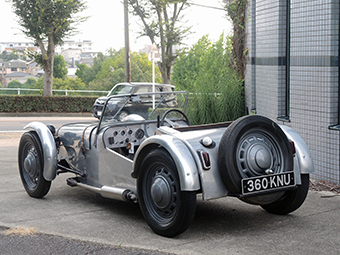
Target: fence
65,92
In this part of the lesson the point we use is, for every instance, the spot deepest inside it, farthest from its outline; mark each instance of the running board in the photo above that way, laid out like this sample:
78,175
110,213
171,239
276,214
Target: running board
106,191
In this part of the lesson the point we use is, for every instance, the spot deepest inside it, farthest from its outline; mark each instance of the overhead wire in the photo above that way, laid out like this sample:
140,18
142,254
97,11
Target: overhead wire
206,6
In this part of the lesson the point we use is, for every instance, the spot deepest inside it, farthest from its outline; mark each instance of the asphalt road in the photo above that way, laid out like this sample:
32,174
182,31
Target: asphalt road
76,221
17,124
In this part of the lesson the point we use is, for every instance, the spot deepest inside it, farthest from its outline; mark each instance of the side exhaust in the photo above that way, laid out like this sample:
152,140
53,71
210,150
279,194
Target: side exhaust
106,191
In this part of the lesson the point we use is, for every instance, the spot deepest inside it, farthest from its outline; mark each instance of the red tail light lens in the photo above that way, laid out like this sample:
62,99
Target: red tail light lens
292,145
205,159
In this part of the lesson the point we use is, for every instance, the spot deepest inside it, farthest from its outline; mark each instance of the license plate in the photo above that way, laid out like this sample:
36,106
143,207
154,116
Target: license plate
267,182
99,113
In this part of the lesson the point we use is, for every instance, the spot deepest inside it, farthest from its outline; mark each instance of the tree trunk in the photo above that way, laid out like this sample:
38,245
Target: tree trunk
163,68
48,60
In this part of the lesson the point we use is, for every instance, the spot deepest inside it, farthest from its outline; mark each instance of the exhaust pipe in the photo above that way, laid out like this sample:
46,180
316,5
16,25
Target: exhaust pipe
106,191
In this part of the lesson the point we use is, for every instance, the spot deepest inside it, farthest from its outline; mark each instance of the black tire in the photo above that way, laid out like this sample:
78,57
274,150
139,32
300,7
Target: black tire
31,165
249,147
167,210
291,200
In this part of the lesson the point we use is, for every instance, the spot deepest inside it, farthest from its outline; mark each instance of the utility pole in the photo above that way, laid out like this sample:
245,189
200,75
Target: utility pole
127,43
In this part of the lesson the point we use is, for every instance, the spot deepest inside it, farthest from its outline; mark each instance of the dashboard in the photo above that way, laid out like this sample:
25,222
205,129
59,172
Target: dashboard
127,136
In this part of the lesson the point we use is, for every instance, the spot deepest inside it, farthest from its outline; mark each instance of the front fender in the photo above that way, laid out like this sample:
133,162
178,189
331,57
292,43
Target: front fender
49,149
303,155
180,153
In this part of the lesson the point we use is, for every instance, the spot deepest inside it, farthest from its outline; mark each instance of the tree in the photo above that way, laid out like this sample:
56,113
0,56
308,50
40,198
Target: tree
112,70
187,65
50,21
5,56
161,23
236,12
15,84
217,90
85,73
59,67
88,74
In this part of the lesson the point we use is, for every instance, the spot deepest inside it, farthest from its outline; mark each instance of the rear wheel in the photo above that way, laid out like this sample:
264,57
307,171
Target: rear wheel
291,200
253,146
31,165
167,209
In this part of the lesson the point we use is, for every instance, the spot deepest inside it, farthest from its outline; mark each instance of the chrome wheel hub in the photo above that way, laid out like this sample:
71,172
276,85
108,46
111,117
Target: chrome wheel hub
31,163
259,158
258,154
161,192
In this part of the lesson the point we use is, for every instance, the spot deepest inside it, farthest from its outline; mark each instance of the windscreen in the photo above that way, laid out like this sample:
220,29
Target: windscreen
120,90
142,106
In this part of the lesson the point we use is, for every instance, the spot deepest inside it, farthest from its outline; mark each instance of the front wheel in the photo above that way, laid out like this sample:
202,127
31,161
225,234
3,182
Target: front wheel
291,200
167,209
31,165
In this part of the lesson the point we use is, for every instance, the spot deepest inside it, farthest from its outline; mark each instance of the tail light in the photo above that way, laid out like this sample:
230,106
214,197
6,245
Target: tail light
205,159
292,146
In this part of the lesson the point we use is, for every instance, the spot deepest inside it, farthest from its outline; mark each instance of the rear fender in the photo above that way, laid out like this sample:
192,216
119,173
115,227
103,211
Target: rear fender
49,149
303,159
180,153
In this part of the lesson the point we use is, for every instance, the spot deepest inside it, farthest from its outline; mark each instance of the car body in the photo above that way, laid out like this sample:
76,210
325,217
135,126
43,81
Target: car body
129,88
162,162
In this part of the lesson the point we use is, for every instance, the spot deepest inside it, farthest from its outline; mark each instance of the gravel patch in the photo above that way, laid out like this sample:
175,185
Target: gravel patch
324,186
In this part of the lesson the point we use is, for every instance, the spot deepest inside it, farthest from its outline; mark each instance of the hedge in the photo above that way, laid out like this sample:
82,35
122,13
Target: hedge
19,104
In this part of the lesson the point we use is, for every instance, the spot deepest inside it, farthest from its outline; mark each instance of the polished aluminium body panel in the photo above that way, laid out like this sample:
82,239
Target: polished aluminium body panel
113,168
49,149
303,159
182,156
211,182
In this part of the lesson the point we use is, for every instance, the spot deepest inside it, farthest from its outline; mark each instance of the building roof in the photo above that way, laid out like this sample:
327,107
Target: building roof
15,63
16,74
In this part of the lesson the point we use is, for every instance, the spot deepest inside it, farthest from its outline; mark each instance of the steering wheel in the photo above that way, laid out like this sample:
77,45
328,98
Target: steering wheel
172,123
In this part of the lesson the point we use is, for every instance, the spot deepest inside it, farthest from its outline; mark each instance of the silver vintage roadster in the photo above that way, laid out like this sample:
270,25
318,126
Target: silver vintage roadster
156,158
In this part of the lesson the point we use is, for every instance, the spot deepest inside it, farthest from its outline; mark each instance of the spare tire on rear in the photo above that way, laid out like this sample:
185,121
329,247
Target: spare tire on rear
252,146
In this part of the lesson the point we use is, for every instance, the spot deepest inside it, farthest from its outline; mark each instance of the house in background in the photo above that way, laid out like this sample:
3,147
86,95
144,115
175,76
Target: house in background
71,55
292,74
88,58
84,46
19,76
15,65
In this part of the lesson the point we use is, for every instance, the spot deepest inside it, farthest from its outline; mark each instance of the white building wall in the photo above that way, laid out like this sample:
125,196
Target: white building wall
310,69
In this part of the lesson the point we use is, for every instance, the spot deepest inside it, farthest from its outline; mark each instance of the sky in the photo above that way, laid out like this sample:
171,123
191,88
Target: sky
105,26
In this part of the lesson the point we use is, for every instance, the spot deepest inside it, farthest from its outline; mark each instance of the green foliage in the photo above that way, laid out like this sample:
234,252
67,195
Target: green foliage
30,83
187,66
47,21
15,84
46,104
40,19
108,71
236,12
5,56
216,89
59,67
85,73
